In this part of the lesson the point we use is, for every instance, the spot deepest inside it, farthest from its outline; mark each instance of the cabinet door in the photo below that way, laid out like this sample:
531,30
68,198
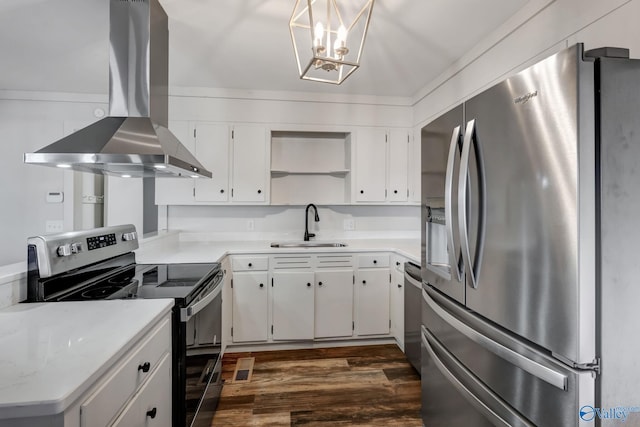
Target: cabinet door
293,295
212,150
250,164
415,176
250,303
151,405
398,189
177,191
334,304
370,165
372,301
396,305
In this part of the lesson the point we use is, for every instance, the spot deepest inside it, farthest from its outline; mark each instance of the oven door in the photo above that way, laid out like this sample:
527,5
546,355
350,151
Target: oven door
202,320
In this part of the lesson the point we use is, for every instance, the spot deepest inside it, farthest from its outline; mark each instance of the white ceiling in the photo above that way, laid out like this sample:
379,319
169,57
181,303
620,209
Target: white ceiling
62,45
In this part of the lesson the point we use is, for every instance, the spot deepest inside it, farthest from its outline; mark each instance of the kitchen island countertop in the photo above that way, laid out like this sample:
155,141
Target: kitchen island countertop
52,353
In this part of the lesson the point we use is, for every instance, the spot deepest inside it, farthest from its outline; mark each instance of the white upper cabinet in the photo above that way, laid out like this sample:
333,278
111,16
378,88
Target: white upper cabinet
250,164
370,165
398,144
212,150
381,161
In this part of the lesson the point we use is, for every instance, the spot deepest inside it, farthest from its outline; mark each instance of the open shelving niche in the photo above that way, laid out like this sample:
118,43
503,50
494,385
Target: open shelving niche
310,167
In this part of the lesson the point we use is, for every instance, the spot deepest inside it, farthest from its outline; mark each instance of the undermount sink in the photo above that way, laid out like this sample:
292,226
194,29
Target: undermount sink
308,245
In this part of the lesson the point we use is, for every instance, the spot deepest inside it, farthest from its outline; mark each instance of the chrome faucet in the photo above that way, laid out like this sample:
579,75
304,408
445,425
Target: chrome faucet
307,235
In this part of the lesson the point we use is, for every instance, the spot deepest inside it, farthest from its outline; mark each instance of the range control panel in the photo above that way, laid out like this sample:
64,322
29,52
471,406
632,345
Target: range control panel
57,253
97,242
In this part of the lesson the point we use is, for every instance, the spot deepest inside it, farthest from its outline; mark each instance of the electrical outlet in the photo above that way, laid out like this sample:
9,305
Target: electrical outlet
54,226
349,224
250,225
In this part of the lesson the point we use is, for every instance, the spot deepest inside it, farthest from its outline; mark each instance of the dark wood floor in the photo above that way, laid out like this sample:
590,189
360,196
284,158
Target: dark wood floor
344,386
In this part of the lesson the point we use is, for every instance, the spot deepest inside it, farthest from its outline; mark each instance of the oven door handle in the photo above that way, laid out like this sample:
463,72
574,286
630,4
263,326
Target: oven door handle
188,312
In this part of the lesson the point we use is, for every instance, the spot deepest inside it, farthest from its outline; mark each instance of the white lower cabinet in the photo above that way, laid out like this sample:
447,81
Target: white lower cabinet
396,299
333,304
250,306
372,301
140,382
151,406
293,305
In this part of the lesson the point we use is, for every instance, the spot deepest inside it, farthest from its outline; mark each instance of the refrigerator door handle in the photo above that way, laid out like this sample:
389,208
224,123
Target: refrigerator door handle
534,368
454,253
515,420
471,139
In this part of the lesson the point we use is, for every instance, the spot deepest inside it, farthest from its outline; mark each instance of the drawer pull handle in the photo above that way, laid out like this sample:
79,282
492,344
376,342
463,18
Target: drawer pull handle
144,367
152,413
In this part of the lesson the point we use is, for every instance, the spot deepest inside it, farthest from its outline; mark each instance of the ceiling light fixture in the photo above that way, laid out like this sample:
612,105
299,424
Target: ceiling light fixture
328,37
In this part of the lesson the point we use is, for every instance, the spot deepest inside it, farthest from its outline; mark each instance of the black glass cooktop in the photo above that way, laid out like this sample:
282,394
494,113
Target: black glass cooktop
179,281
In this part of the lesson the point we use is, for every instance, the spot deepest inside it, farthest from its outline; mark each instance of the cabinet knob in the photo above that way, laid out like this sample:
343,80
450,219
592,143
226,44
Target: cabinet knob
144,367
375,262
262,285
222,191
152,413
250,265
395,191
308,284
361,191
399,285
319,283
397,263
259,191
364,282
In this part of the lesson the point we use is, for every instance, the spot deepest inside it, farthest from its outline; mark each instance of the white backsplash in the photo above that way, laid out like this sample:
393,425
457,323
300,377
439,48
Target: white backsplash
287,222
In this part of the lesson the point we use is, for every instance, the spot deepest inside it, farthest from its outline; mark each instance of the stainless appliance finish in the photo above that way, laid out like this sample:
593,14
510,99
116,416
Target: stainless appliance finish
532,206
134,139
99,264
412,313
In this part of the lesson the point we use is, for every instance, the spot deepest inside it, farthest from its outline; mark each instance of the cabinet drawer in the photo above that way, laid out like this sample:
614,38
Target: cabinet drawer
123,381
291,262
334,261
151,406
373,261
249,263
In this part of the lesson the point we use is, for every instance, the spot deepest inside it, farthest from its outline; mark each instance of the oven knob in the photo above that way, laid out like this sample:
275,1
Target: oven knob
129,236
64,250
76,248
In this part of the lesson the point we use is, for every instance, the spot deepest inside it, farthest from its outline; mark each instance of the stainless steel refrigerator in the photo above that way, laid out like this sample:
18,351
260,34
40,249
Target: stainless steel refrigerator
530,266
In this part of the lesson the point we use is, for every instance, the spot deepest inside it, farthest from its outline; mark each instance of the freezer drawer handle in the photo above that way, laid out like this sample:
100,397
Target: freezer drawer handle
546,374
516,419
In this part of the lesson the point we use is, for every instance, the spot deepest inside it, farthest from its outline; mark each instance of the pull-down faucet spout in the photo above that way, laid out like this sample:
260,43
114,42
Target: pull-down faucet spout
307,235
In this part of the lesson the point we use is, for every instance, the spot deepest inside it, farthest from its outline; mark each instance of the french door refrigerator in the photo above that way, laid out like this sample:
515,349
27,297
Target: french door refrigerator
530,222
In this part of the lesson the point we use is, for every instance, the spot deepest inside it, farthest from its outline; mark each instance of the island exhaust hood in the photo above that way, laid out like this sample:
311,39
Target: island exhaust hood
133,140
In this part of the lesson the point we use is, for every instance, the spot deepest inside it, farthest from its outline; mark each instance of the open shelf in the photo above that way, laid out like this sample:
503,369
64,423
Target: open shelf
310,167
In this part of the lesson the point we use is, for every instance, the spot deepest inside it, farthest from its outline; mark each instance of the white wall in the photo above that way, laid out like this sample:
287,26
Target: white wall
524,40
29,122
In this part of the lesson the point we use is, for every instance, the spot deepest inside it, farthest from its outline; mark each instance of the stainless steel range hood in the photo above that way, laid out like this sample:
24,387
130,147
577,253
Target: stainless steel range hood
133,140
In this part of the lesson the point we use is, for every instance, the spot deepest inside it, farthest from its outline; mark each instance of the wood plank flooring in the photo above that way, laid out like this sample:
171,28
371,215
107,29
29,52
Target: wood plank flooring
342,386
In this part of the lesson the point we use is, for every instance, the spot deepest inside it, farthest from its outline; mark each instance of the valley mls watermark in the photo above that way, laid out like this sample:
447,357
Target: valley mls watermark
589,413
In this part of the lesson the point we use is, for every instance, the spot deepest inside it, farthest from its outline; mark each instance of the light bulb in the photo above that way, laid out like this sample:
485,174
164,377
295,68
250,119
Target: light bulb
342,35
318,33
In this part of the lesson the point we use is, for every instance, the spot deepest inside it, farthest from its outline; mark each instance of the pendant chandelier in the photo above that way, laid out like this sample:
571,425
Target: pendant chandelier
328,37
